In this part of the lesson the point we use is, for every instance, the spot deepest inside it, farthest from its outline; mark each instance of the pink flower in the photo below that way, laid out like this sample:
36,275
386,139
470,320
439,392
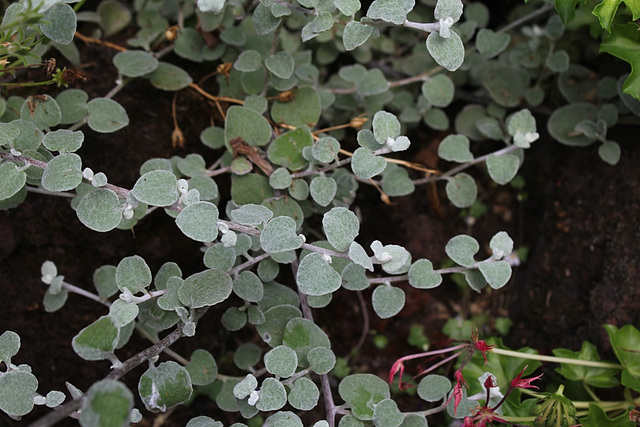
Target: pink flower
398,366
519,382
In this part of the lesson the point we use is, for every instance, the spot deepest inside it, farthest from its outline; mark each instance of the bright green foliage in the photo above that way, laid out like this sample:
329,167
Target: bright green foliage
625,345
596,377
624,43
286,150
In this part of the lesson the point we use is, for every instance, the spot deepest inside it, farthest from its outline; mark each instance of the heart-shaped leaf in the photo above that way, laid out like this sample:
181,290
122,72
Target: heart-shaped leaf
461,250
279,235
462,190
422,275
387,301
367,165
341,226
316,277
502,168
455,148
491,44
497,273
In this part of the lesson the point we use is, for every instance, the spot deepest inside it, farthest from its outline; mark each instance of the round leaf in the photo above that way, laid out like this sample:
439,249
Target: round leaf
365,164
321,360
279,235
323,190
386,413
341,226
164,386
387,301
503,168
17,389
302,335
496,273
98,340
156,188
248,286
12,180
59,23
385,126
259,133
100,210
501,245
273,395
303,110
362,392
438,90
462,190
135,63
355,34
43,111
169,77
304,394
122,312
107,403
9,345
286,150
106,115
281,64
491,44
316,277
246,356
448,52
455,148
281,361
433,388
283,419
358,255
63,140
422,275
461,250
198,221
133,273
202,367
206,288
63,173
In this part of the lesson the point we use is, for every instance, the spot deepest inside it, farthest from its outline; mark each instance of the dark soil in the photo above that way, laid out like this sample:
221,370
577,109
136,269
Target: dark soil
580,219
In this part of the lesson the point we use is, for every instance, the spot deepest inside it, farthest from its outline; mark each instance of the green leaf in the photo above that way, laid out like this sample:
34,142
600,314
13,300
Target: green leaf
283,419
462,190
264,21
606,11
202,367
244,388
100,210
164,386
385,125
273,395
259,133
624,43
354,277
596,377
205,288
386,413
63,140
501,245
597,417
133,273
316,277
9,346
303,110
43,111
286,150
12,179
198,221
448,52
609,151
461,249
626,345
281,361
496,273
248,286
387,301
17,389
323,190
63,173
394,11
448,9
247,355
491,44
372,83
321,23
455,148
135,63
341,226
566,9
365,164
251,214
348,7
302,335
107,403
362,392
98,340
169,77
156,188
558,61
321,360
563,122
106,115
304,394
281,64
248,61
114,17
438,90
213,6
433,388
422,275
279,235
503,168
59,23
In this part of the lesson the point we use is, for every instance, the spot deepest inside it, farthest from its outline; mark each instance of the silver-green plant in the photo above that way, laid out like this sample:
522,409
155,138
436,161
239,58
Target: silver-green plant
284,144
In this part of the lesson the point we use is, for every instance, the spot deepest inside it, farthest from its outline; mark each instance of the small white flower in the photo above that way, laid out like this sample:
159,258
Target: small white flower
384,257
87,174
253,397
327,258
